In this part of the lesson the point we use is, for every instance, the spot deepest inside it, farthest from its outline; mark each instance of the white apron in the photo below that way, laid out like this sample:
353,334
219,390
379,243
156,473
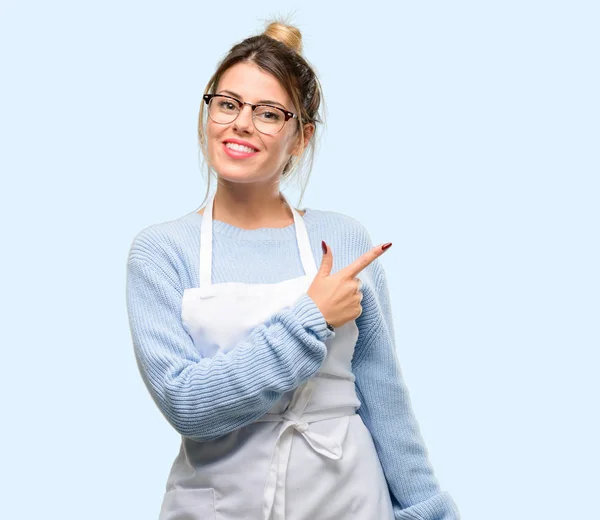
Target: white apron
311,457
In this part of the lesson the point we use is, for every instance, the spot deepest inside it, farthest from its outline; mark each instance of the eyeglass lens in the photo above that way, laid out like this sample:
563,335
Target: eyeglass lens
268,120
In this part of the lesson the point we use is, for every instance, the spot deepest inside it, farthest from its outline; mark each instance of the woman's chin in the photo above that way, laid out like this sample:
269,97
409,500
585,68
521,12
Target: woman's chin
237,174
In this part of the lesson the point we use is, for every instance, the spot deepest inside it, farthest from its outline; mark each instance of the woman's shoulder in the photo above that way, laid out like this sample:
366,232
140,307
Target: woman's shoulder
340,222
162,241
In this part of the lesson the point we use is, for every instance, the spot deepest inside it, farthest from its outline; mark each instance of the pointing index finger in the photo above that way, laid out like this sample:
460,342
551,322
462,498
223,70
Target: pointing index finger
361,262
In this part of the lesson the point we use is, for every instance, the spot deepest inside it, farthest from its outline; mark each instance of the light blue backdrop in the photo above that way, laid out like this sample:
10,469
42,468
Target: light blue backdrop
484,175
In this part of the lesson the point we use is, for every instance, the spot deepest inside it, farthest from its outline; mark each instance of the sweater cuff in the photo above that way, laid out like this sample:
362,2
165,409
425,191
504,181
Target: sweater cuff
311,317
440,506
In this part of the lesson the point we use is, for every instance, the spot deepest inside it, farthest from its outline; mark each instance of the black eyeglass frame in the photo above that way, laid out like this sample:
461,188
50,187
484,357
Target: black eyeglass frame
287,114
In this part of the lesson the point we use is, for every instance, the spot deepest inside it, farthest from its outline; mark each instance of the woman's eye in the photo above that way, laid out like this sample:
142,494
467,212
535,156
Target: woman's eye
270,115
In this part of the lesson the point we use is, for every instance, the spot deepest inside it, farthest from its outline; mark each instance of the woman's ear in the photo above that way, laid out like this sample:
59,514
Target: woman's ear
309,130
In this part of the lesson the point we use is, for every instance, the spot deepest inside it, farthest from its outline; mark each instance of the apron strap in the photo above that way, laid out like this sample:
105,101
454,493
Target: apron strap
308,260
206,242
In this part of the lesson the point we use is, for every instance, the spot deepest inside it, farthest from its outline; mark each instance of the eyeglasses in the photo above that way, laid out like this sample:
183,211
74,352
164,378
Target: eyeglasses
267,119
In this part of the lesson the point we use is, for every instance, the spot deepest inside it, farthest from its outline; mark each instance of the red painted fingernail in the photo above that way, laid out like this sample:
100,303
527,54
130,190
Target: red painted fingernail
324,246
385,246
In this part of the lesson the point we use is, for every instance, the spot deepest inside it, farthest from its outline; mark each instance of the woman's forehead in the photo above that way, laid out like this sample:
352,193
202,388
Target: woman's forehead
253,84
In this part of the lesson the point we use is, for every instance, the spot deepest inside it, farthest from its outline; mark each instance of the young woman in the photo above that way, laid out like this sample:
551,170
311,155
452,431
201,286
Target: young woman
264,333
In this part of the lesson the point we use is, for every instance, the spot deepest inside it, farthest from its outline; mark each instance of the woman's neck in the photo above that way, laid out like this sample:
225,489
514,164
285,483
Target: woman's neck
253,219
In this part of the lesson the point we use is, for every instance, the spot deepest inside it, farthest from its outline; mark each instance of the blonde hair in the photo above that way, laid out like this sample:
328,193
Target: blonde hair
278,51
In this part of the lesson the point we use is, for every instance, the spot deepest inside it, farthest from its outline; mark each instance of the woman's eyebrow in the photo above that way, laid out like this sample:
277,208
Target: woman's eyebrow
270,101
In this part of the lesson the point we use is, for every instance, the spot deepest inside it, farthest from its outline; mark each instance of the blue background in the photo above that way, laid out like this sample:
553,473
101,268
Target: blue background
483,170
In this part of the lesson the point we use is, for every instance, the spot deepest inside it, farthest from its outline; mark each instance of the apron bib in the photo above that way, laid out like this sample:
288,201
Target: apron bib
311,456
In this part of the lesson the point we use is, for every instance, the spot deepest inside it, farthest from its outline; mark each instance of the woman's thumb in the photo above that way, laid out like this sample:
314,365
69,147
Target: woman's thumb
327,261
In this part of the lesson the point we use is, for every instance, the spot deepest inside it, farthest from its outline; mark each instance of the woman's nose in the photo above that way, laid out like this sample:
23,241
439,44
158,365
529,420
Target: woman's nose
244,118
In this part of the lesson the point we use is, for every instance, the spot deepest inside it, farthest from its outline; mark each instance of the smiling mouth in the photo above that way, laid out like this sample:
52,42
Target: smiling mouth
240,147
236,151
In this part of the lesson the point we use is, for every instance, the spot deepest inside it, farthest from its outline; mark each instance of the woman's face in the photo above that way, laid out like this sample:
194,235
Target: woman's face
246,82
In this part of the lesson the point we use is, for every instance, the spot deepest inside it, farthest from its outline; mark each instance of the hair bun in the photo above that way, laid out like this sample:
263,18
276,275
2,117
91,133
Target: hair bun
286,34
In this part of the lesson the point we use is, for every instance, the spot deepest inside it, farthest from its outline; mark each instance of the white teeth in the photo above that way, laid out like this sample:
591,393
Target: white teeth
240,148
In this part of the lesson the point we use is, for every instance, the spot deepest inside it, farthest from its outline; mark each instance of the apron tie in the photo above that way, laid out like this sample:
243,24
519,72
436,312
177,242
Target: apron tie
274,495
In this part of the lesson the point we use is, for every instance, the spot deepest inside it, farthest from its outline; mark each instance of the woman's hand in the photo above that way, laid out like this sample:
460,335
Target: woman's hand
338,296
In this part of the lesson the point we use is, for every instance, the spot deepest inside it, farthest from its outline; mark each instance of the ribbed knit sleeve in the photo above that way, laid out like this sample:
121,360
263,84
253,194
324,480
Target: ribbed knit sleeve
204,398
386,409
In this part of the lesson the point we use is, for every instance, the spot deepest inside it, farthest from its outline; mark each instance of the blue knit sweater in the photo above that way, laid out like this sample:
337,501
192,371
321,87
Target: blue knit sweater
163,261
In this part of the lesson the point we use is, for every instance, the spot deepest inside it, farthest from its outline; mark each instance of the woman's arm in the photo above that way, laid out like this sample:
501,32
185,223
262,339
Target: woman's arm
205,398
387,412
